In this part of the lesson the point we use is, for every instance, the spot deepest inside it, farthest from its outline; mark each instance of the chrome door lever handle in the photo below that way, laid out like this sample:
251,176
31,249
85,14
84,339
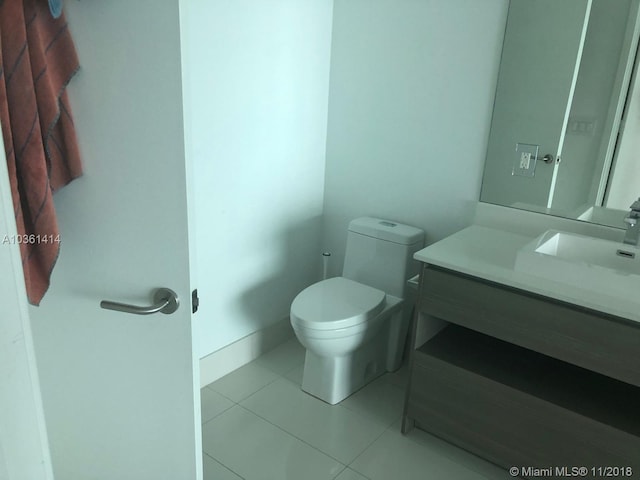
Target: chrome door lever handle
164,301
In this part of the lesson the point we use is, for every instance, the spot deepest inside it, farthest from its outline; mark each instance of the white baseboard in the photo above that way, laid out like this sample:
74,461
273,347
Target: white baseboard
221,362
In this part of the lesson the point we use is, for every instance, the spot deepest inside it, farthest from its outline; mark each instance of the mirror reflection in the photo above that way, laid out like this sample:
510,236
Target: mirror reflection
565,131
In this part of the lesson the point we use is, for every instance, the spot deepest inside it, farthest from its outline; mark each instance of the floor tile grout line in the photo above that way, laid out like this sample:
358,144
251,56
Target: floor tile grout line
445,454
366,417
340,472
219,393
282,375
232,400
367,448
252,393
254,361
272,350
209,387
218,414
369,416
363,416
225,466
347,465
388,428
344,466
294,436
358,472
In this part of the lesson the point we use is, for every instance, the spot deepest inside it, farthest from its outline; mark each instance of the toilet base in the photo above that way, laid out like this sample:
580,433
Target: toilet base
332,379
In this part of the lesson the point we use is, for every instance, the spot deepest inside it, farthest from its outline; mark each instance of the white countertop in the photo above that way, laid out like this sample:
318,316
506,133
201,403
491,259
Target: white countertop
490,254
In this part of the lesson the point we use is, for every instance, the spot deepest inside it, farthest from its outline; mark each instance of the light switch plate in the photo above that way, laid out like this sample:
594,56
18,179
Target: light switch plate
585,126
524,163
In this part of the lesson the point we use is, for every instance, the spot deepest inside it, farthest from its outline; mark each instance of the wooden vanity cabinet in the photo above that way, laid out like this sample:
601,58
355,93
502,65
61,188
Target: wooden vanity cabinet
523,380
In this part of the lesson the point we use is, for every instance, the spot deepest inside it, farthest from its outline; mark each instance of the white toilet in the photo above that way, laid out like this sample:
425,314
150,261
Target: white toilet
354,327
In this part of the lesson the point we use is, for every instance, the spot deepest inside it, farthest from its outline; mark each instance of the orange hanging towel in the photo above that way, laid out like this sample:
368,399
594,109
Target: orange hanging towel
38,60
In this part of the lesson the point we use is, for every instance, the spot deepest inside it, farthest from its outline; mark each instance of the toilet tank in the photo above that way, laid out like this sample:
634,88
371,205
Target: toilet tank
380,254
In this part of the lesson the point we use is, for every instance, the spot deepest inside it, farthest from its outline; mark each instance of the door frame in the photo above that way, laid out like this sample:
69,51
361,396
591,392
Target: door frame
24,444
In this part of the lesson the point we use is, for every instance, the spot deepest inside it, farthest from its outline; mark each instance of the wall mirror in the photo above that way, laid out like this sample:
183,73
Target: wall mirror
565,130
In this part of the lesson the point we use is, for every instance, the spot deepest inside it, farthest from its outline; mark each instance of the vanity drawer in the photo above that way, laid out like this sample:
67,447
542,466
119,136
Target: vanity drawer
519,408
595,341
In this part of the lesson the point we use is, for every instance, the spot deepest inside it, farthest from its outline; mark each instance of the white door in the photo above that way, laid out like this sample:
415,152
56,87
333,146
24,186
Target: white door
538,70
120,391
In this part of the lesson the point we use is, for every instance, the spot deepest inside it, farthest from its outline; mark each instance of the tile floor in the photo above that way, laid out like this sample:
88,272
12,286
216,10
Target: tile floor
259,425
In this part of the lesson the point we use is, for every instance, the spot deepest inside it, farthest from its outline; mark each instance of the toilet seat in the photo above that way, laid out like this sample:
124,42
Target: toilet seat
336,303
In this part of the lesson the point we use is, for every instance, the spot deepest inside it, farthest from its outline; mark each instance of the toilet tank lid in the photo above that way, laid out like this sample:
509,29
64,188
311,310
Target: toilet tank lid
387,230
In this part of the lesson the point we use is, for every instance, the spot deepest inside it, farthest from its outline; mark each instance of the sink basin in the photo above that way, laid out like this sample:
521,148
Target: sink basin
584,262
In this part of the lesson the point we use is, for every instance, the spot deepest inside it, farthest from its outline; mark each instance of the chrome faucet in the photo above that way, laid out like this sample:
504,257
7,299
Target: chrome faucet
633,222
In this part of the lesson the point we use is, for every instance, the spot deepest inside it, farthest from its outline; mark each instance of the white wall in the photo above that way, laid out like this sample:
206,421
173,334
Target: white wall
411,95
256,109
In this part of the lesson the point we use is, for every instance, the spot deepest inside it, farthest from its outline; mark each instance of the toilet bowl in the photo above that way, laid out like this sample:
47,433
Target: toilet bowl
353,330
344,326
337,315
